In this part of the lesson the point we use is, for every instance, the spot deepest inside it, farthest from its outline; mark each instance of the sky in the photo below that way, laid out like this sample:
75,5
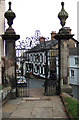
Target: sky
32,15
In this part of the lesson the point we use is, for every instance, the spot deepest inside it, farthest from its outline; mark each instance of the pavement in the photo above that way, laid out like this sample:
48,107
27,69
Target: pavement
35,106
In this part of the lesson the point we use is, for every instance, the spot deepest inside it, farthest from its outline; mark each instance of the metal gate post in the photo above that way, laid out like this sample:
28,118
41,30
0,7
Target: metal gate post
59,63
10,37
46,72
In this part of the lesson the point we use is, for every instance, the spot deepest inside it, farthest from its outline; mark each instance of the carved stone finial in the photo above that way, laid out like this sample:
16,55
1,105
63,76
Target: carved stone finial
9,5
9,15
62,3
63,15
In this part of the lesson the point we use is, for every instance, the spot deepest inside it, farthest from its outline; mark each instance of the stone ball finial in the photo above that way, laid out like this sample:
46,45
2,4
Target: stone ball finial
63,15
9,15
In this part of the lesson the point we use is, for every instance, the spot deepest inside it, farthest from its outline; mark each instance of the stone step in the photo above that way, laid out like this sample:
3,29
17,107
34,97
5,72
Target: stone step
35,99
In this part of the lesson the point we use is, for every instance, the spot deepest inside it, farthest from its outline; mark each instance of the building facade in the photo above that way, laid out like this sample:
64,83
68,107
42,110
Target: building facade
74,66
41,58
36,62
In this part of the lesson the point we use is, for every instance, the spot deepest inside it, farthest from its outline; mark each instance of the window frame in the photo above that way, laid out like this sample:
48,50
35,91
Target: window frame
77,61
72,73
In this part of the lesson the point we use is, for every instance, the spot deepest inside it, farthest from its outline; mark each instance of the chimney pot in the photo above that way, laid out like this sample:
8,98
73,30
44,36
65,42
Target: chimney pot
52,35
68,29
42,39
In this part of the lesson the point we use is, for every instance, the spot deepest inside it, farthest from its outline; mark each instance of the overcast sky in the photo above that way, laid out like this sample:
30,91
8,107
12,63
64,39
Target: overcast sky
42,15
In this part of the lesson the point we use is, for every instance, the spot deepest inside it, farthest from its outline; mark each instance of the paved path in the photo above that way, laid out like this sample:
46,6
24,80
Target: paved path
36,83
36,106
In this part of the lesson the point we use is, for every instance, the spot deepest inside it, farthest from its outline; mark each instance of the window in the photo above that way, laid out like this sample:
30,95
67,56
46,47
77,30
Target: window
37,58
44,69
41,70
77,60
72,73
36,68
41,58
31,57
34,57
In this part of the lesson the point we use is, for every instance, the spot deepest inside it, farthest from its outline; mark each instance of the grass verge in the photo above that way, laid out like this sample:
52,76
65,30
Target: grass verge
72,107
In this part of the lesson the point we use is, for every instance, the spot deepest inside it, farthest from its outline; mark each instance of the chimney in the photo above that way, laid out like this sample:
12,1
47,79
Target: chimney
68,29
42,39
52,35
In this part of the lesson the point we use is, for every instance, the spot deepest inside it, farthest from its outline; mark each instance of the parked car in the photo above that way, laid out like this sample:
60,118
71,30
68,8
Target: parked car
18,72
21,80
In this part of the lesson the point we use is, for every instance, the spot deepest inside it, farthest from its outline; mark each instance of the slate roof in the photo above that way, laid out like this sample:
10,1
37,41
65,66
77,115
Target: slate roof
74,51
45,45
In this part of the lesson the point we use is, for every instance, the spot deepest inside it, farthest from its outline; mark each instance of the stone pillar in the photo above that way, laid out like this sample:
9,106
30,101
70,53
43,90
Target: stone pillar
2,9
10,37
63,37
63,41
64,60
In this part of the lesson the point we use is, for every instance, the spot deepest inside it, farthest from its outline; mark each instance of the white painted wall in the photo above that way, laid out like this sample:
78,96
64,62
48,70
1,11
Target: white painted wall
40,64
73,79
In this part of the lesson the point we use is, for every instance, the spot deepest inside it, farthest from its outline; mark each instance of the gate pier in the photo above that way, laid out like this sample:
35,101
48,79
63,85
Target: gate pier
10,37
63,37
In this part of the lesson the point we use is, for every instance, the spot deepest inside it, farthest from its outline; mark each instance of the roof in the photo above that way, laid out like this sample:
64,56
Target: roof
74,51
75,40
44,45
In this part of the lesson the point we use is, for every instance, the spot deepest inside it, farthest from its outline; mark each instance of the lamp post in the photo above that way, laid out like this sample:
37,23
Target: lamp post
10,37
63,37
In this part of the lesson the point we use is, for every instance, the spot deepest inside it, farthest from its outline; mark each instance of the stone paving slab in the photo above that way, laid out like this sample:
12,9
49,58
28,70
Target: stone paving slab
43,104
15,101
6,114
21,113
26,104
41,113
59,114
9,108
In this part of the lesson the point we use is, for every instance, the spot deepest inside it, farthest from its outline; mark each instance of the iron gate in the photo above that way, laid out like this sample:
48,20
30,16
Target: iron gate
22,77
41,62
52,72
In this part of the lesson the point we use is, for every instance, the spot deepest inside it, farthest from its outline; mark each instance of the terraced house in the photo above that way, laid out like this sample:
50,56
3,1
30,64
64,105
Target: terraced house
44,57
37,61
